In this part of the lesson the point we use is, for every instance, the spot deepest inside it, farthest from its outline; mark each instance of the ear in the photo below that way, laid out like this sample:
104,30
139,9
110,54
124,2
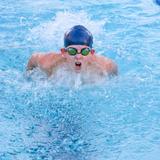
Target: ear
63,50
92,51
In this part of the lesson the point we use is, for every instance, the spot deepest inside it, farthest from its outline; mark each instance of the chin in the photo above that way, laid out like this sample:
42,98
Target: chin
78,71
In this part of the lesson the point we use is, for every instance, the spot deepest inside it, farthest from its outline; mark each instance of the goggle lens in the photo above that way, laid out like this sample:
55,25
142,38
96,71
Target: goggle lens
85,51
72,51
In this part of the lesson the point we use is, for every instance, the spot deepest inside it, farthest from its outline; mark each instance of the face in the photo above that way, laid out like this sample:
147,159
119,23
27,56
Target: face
78,56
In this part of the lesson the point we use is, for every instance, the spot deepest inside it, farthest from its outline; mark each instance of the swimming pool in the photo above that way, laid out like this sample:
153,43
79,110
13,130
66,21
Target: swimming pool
116,120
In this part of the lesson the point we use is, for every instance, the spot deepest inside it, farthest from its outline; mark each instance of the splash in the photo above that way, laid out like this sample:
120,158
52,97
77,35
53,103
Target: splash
51,33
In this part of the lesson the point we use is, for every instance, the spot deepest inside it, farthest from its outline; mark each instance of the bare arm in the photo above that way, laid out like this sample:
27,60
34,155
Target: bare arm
46,62
107,65
112,67
33,62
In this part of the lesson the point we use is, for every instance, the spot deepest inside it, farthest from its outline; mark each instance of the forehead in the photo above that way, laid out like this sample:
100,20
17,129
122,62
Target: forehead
77,46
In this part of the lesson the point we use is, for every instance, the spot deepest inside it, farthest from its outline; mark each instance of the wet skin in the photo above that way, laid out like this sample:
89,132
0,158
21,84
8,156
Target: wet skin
50,62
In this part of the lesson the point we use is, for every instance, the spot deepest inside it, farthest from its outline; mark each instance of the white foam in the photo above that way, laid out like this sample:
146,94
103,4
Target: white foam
51,33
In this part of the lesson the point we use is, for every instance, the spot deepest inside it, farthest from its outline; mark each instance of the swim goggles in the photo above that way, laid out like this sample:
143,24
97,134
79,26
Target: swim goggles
73,51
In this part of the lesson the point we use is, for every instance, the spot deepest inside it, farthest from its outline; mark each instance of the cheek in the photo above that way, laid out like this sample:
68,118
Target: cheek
70,58
86,58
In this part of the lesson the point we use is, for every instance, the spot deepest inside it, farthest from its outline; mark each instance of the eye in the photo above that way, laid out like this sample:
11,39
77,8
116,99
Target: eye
72,51
85,51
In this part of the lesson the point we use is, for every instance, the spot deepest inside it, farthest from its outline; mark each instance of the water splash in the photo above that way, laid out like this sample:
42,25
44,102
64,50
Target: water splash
51,33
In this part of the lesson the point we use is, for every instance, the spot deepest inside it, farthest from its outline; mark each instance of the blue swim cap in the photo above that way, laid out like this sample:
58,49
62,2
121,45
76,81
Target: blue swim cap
158,2
78,35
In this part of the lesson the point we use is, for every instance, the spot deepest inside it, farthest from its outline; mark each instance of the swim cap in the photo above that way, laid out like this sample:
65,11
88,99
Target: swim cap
158,2
78,35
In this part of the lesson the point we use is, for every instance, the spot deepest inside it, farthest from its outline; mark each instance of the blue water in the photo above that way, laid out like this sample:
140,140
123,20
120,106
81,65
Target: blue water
116,120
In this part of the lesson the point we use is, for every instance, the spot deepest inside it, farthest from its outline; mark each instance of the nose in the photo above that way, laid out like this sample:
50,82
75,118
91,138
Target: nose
78,56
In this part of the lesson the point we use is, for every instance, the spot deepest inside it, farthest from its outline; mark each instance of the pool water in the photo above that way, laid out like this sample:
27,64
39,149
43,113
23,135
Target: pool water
118,119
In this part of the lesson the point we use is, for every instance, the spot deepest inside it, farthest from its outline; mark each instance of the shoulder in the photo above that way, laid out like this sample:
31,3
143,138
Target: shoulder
45,57
50,60
109,65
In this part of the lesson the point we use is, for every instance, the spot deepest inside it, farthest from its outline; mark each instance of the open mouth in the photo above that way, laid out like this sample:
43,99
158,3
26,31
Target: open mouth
78,65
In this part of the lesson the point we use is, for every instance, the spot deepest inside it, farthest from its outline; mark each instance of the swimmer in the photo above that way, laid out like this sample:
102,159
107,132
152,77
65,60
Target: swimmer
77,56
